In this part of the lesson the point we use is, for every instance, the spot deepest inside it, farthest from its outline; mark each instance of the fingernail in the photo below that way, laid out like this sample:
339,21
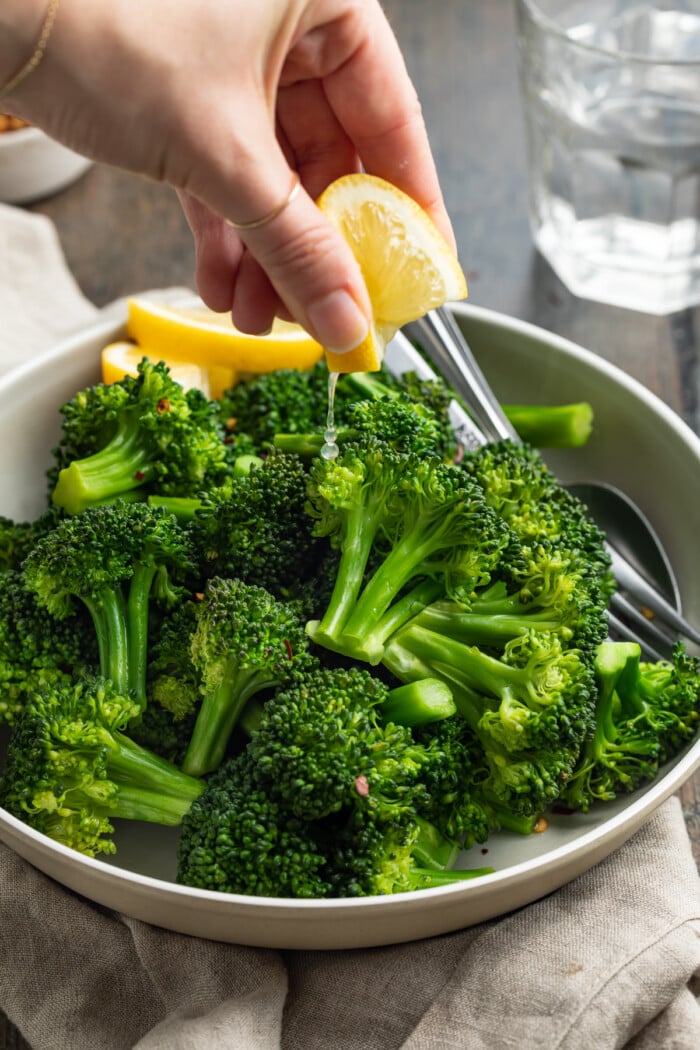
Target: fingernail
338,322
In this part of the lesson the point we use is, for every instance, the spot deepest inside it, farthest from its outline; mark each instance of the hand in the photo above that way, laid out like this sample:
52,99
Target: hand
225,100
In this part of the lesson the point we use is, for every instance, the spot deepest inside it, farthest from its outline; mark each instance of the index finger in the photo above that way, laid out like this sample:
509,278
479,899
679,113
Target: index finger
376,103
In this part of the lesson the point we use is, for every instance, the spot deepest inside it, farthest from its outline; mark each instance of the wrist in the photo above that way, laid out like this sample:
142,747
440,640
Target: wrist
22,23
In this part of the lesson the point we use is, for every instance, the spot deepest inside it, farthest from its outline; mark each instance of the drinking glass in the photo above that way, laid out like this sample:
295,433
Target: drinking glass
611,95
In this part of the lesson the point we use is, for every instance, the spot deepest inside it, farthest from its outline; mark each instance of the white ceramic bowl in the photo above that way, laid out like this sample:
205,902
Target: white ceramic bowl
638,444
34,166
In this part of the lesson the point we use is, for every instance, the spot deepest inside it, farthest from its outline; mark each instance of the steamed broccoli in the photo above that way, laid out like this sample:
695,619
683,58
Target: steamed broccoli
410,530
322,802
236,838
244,642
113,560
72,769
31,655
143,433
255,527
531,707
552,426
404,424
645,713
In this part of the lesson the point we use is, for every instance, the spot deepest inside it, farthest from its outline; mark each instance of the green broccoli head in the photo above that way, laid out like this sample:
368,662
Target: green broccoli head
139,433
320,744
245,642
410,529
256,528
33,651
236,838
645,713
113,560
71,770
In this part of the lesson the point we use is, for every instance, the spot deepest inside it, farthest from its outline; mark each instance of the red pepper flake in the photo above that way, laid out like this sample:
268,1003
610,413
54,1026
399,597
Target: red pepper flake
231,422
139,475
198,596
484,851
459,455
228,440
362,786
290,651
541,825
163,405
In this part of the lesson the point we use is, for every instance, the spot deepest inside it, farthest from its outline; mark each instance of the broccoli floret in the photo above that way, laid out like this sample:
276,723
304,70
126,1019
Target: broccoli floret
323,801
143,433
645,713
244,642
531,708
112,559
432,395
32,653
237,839
72,769
321,743
404,424
540,511
460,796
281,401
410,530
256,528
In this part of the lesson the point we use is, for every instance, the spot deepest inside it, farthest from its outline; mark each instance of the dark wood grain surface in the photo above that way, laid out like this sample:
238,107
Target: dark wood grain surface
122,234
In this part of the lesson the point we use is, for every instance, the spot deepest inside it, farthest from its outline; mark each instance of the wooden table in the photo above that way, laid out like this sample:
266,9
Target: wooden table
122,234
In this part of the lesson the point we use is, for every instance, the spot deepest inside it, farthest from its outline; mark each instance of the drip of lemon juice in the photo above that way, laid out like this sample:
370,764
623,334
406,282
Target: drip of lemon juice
329,449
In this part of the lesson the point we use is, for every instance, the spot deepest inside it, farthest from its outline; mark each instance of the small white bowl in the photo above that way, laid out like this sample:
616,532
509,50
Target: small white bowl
34,166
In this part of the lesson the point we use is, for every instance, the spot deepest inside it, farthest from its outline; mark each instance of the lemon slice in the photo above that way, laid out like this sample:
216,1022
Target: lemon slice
122,358
209,339
408,266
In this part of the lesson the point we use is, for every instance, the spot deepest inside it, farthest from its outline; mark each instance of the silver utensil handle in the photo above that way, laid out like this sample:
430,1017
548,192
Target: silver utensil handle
629,579
440,336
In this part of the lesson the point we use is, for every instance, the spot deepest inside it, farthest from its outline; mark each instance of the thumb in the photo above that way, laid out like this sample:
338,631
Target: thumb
311,267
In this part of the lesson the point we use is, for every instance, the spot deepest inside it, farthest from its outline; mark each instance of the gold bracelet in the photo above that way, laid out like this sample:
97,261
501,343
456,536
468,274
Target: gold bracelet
31,64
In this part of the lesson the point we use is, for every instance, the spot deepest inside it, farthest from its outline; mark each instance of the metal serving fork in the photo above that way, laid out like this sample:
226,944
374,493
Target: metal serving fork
638,611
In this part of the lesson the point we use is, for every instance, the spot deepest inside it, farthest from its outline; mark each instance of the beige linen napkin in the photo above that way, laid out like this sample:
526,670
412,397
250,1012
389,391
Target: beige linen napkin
610,961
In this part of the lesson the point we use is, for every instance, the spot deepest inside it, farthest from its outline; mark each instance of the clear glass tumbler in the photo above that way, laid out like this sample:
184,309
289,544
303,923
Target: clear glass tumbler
611,94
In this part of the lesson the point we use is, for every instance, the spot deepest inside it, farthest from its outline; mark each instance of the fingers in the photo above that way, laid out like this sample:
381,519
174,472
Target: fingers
314,273
376,104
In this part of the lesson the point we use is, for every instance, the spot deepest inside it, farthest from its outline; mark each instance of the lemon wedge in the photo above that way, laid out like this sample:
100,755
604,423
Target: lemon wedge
408,266
210,339
121,359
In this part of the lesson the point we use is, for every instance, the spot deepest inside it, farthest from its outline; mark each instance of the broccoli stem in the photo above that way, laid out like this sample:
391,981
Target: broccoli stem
489,622
109,617
134,803
426,878
181,507
220,711
129,763
434,850
137,628
361,527
416,653
418,703
122,465
150,788
552,426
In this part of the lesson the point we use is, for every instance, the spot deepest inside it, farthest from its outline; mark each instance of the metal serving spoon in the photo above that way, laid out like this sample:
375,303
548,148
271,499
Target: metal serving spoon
640,563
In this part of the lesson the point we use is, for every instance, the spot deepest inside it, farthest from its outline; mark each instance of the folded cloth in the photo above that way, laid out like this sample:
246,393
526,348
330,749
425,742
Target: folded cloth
39,298
611,960
607,961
